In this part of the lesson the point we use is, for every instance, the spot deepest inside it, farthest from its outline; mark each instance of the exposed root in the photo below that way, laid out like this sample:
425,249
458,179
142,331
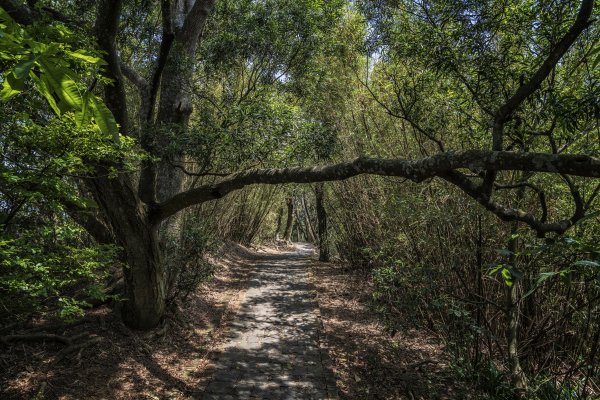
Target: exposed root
69,342
77,347
36,337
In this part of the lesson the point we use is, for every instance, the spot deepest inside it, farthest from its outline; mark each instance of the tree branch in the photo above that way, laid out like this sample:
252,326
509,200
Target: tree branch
107,27
92,224
442,165
27,14
595,193
540,193
527,88
194,21
582,21
168,36
132,75
147,182
507,213
197,174
20,12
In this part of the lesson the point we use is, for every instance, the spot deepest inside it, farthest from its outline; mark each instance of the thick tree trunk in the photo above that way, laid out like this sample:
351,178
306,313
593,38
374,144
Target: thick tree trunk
322,222
145,286
290,219
144,304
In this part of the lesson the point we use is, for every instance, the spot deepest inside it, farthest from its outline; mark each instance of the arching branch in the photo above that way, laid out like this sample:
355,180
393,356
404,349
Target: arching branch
442,165
507,213
537,190
582,21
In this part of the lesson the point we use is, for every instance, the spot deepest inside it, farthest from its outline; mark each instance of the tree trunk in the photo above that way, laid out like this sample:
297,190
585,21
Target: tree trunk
279,217
144,276
290,219
322,222
518,378
310,233
186,21
300,225
145,286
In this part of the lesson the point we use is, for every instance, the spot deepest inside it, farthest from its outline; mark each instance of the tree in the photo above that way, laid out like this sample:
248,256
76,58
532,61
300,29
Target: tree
287,234
132,206
322,223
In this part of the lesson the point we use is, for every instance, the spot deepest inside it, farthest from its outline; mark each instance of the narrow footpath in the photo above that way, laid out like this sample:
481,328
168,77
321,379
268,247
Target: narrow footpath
273,344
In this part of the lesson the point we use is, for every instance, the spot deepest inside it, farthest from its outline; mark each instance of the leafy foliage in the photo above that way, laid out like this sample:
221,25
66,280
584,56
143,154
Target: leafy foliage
54,131
49,268
45,55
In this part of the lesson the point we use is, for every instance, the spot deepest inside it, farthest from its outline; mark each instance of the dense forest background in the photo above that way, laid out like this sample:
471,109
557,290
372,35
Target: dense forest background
125,125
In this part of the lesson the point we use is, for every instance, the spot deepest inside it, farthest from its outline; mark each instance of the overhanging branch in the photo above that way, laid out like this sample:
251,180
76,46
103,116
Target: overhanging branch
440,165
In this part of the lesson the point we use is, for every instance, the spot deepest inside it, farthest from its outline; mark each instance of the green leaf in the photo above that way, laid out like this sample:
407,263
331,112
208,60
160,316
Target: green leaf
84,56
104,118
83,116
59,81
44,90
22,69
594,214
541,278
11,87
504,252
596,62
507,277
516,274
586,263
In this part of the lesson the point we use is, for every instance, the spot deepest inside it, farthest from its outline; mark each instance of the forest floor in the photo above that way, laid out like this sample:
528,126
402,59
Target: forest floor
177,360
368,361
166,363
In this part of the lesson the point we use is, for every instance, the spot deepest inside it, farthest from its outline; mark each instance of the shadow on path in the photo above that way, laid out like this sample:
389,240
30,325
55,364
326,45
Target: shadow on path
273,348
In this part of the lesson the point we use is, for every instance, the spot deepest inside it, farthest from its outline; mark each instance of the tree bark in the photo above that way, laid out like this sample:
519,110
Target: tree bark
144,275
322,222
175,105
310,233
290,219
443,165
279,218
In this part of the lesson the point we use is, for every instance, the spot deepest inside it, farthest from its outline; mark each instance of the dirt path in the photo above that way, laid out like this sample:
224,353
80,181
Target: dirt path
273,349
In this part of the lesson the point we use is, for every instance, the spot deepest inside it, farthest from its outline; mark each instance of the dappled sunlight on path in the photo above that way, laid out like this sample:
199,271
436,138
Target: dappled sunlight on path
273,349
